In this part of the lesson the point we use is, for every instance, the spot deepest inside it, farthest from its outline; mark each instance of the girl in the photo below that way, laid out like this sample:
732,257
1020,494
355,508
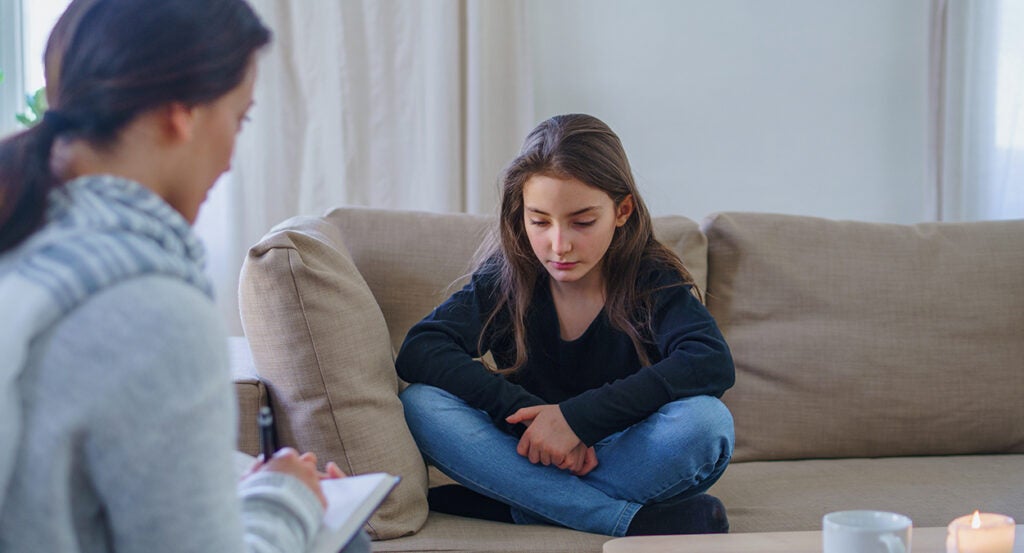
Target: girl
602,413
118,425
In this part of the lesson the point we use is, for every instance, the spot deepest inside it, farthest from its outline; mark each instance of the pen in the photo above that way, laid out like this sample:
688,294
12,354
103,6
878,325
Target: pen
266,422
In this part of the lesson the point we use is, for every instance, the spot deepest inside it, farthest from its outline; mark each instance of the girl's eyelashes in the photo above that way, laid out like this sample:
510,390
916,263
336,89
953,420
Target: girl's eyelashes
577,223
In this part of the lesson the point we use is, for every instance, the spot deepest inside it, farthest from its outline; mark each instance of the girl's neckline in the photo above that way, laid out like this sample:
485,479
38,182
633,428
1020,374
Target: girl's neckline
590,322
579,338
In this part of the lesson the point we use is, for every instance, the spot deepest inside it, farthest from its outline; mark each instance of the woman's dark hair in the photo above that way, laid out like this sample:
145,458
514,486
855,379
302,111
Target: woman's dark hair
108,61
584,148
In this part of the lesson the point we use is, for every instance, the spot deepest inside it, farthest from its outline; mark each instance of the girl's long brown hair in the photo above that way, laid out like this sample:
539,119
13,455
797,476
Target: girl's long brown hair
581,147
108,61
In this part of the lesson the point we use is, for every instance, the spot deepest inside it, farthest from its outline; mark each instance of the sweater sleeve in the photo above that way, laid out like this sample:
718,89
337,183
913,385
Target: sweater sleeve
694,360
160,451
442,351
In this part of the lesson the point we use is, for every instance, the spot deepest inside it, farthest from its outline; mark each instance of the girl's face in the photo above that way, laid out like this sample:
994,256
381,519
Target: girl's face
570,225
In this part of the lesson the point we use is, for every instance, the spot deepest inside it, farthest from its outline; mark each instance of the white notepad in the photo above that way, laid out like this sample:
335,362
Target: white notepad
350,502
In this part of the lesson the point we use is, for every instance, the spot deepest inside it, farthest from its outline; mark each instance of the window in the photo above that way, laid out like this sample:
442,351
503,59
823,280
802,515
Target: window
39,17
1006,190
24,28
11,62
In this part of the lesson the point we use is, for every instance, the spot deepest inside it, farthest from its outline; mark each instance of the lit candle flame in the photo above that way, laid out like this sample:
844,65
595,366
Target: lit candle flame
976,521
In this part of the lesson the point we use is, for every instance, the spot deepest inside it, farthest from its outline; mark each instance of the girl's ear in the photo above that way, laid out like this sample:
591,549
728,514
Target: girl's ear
624,210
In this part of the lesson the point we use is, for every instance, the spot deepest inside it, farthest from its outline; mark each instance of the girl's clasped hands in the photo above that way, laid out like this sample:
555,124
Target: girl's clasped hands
550,441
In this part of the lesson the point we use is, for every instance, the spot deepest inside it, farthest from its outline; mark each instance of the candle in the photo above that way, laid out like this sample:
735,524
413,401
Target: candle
980,533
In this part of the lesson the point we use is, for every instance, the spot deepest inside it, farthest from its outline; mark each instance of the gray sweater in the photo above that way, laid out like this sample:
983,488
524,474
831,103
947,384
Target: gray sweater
119,418
128,433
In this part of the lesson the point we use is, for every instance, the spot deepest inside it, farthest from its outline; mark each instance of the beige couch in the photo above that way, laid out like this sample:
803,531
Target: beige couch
878,366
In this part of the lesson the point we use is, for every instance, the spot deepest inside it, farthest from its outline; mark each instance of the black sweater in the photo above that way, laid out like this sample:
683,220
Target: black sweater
596,379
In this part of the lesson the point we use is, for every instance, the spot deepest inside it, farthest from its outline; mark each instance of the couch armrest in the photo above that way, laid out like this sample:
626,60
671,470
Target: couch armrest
250,392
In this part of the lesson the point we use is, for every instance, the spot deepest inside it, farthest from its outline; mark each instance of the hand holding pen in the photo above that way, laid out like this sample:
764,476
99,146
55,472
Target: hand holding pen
287,460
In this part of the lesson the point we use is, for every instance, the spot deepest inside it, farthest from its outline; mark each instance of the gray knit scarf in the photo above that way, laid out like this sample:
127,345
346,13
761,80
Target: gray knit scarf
100,230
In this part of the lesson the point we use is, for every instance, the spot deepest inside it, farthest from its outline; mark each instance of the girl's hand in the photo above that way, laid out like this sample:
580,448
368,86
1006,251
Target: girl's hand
288,461
583,460
548,438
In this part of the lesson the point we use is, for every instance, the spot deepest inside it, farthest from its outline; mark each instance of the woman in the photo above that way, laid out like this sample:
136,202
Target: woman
119,426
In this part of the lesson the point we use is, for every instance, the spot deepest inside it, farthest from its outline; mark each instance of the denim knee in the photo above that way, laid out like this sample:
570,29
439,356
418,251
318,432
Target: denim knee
709,420
420,403
415,395
686,446
714,435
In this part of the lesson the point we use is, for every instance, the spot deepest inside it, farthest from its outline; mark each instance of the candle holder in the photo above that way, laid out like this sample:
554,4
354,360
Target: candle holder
981,533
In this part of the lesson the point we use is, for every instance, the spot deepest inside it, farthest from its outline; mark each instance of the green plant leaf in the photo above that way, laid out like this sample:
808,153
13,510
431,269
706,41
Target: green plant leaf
36,102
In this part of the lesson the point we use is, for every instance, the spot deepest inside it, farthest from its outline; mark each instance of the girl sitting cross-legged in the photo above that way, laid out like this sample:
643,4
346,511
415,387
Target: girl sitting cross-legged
602,413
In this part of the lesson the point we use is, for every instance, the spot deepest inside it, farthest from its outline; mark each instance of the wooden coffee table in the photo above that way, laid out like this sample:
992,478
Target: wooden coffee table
924,540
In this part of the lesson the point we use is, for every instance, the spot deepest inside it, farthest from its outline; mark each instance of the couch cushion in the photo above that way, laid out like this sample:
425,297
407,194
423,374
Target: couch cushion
777,496
863,340
320,344
451,533
413,261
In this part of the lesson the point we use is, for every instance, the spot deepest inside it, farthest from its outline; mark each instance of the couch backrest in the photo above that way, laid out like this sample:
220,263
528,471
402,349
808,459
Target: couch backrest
858,340
413,261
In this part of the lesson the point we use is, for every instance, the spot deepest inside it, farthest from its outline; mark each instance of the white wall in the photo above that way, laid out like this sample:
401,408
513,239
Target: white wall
814,107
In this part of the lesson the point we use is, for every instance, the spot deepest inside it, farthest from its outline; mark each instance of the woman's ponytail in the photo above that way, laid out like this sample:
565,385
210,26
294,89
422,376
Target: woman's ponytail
26,178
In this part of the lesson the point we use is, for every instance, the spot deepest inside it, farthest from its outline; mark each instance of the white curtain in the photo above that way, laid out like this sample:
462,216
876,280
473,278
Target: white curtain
976,80
383,103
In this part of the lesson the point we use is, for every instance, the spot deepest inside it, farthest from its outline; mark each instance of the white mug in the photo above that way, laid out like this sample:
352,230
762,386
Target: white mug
866,532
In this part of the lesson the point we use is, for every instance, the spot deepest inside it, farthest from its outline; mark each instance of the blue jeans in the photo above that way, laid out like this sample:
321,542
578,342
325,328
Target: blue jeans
679,451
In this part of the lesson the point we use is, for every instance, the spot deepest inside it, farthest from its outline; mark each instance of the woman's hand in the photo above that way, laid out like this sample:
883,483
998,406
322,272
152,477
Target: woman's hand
303,467
550,441
331,471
